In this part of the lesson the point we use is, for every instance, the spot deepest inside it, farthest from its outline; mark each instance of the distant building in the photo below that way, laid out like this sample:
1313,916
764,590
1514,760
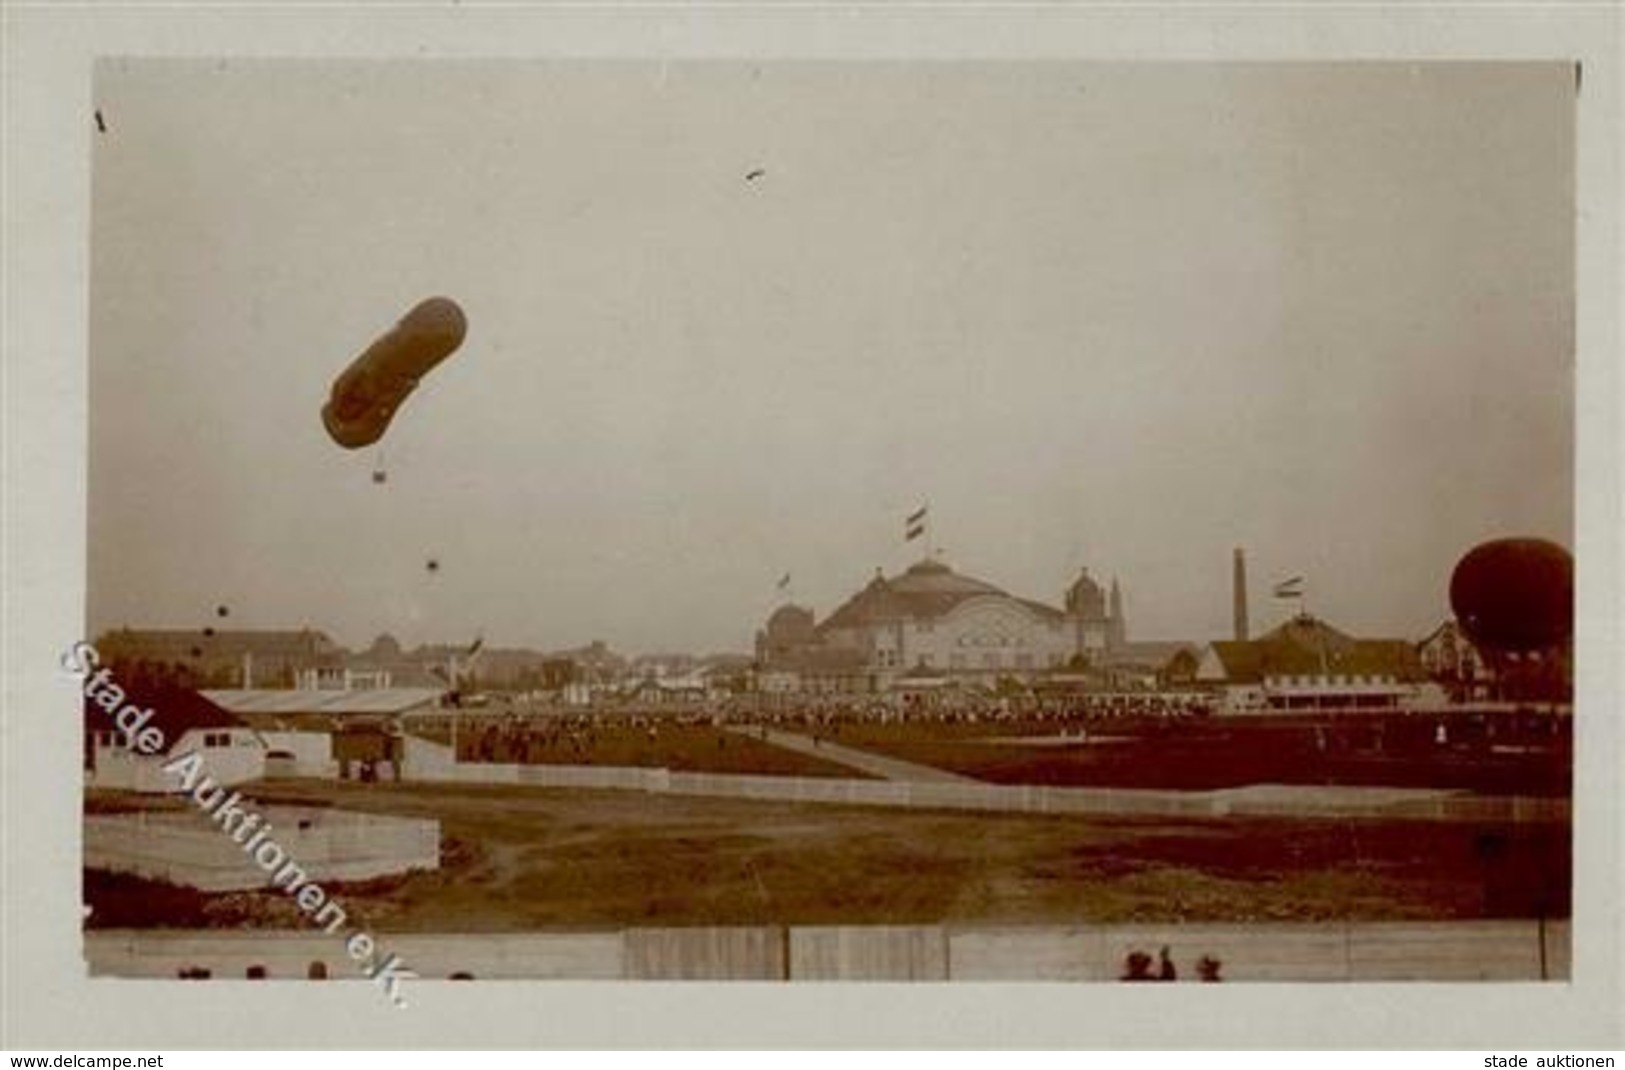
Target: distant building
1180,669
680,678
666,690
1468,673
1307,664
595,664
930,622
386,664
210,657
1451,660
1147,664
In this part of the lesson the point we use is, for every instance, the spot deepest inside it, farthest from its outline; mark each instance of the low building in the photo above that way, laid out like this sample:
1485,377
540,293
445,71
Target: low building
664,691
1306,664
807,666
347,734
189,722
1147,664
386,664
315,709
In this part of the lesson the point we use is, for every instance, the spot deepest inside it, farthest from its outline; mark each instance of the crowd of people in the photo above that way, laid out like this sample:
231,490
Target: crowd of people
514,728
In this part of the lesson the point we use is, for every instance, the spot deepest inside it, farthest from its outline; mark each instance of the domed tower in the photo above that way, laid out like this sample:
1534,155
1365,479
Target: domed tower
1086,608
788,630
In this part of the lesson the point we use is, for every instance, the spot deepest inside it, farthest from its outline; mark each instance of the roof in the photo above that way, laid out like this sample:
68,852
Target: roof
1149,652
383,700
175,711
790,615
215,642
1305,646
927,590
1448,632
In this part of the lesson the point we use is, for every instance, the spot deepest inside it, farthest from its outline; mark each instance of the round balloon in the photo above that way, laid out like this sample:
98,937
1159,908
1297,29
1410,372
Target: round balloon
365,396
1515,595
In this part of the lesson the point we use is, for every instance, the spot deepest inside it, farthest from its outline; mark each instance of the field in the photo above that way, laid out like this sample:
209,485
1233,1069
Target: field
1503,755
642,742
525,858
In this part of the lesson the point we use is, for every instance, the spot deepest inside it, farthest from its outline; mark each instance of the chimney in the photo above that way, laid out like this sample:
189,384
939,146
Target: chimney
1239,606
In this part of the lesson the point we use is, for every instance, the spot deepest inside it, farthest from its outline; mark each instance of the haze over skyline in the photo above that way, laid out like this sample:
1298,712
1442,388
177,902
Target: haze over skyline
1127,316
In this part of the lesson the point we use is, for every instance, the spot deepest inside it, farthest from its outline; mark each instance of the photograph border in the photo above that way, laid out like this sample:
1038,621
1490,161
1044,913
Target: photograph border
49,1002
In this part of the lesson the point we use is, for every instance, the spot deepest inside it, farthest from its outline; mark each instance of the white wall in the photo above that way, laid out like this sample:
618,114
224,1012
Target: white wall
312,754
983,626
328,845
119,768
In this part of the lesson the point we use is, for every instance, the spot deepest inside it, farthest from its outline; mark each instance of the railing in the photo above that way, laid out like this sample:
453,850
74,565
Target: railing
1417,804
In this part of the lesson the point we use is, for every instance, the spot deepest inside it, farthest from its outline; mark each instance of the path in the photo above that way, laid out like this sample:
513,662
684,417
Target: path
862,760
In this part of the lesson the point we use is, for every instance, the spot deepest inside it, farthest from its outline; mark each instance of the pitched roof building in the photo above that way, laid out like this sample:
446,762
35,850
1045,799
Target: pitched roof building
1305,663
187,721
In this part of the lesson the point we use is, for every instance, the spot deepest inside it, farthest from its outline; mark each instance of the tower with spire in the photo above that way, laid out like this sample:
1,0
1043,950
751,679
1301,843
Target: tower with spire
1116,624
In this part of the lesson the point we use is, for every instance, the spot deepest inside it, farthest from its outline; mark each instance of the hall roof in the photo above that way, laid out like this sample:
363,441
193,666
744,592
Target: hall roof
926,590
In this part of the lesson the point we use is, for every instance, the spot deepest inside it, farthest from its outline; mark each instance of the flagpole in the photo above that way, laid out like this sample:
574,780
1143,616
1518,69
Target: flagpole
917,525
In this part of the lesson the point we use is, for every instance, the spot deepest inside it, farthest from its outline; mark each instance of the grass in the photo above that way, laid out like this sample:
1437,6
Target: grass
1206,754
527,858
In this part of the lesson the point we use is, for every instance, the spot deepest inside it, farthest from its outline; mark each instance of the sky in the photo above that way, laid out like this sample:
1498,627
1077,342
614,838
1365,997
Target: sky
1125,316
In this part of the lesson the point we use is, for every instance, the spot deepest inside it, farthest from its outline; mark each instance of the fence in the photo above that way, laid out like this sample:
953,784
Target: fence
1520,950
428,761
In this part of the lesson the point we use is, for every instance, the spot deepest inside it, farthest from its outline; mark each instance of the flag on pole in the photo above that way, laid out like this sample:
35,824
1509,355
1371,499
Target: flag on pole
784,584
914,525
1292,588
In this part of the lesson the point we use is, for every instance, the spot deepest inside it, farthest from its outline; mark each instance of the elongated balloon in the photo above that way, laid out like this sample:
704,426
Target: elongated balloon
365,397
